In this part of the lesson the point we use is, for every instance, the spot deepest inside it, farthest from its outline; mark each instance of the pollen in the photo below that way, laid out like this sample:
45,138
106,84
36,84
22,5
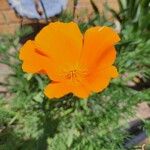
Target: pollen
72,75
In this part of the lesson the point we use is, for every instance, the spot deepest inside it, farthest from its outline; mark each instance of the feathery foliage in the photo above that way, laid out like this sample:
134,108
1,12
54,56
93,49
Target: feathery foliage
28,120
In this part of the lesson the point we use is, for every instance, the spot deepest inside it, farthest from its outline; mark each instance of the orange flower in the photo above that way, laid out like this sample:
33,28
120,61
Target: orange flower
75,63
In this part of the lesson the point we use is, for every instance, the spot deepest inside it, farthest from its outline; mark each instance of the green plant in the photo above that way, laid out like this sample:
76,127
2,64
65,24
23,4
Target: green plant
134,12
28,120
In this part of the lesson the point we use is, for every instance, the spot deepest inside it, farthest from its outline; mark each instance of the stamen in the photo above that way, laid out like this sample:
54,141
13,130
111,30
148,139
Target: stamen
72,75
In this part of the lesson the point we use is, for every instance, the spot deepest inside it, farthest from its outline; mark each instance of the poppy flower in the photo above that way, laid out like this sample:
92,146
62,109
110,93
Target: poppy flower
75,63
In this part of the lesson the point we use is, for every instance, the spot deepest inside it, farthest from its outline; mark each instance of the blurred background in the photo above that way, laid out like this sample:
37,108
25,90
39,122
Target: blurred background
118,117
10,19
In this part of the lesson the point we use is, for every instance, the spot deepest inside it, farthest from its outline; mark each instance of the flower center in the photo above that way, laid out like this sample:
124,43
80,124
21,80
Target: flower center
71,75
74,73
75,76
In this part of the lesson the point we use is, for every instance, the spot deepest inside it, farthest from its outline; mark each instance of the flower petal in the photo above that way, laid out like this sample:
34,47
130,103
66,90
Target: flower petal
35,61
81,90
100,79
56,90
98,42
105,60
62,42
30,57
59,89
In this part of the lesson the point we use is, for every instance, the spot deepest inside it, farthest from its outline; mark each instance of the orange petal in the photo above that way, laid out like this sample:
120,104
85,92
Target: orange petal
29,57
57,90
99,79
105,60
35,61
62,42
98,42
82,90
